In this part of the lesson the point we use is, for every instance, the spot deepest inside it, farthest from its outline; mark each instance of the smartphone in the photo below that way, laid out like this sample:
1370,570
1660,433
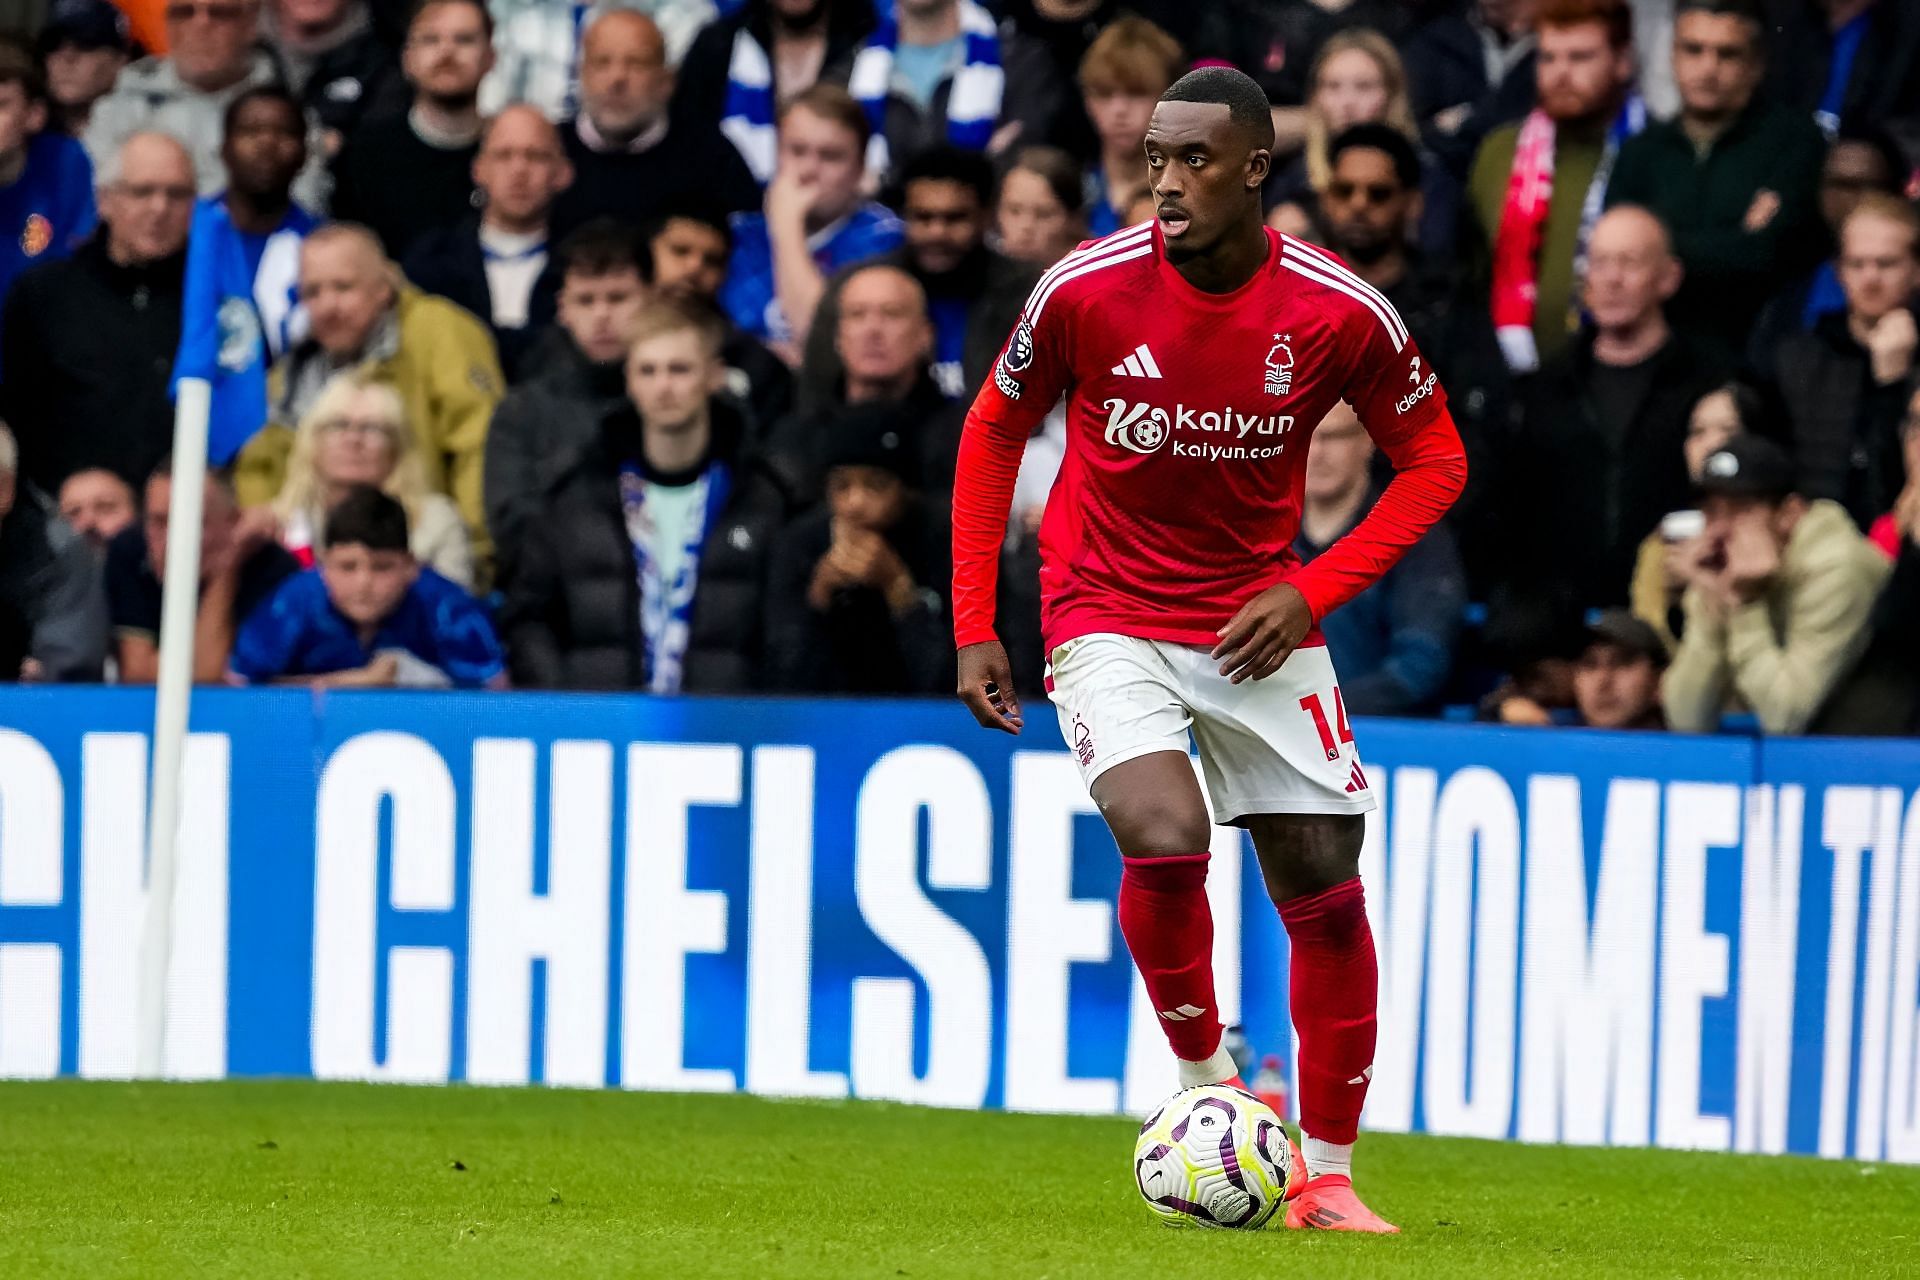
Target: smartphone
1681,526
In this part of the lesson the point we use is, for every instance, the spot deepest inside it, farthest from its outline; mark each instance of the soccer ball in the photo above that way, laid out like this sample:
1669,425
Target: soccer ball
1212,1156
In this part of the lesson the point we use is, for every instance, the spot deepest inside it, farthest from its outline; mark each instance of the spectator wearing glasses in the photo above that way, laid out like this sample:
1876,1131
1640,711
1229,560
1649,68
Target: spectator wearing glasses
211,60
356,434
84,47
403,175
89,342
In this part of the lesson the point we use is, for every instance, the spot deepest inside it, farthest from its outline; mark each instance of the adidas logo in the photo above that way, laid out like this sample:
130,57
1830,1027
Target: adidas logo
1185,1011
1139,365
1356,781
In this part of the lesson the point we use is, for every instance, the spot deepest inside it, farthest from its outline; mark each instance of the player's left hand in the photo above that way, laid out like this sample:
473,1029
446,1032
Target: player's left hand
1260,637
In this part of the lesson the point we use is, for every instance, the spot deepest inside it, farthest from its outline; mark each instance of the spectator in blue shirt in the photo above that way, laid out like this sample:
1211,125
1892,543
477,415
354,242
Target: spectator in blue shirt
816,221
369,615
243,266
1396,638
46,180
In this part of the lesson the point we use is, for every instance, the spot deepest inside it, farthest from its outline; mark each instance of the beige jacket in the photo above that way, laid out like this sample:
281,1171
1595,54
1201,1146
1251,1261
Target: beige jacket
1782,654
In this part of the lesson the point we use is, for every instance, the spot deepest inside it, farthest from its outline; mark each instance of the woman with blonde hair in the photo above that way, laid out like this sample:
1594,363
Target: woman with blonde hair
356,434
1358,78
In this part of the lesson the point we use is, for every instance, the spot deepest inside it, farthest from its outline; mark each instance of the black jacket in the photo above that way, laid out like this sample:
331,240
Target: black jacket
400,186
88,351
993,286
448,260
1843,429
1447,68
53,607
541,431
572,616
1881,696
1884,88
1584,501
693,164
793,449
859,645
356,81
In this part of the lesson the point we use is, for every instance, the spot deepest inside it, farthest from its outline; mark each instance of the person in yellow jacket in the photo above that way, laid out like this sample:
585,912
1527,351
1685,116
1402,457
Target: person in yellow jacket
1780,602
364,316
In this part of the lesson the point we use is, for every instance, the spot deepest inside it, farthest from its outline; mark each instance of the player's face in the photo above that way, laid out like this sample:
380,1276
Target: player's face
1203,175
1614,688
597,311
364,584
1879,270
870,498
1352,89
1579,72
689,259
266,147
1714,421
1716,63
1034,227
1367,209
669,378
447,52
824,156
97,504
945,223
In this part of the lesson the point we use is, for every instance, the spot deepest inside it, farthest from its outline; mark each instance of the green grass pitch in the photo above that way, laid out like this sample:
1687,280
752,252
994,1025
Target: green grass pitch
298,1179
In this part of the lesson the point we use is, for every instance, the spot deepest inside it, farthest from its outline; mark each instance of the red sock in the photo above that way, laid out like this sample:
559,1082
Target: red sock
1168,926
1335,992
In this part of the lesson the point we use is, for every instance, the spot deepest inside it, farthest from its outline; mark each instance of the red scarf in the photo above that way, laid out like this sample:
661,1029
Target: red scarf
1516,249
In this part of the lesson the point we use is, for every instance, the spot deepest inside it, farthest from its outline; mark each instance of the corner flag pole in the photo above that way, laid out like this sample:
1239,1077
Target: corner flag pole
179,605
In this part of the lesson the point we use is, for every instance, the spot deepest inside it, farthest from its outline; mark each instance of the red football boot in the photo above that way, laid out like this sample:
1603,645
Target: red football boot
1327,1203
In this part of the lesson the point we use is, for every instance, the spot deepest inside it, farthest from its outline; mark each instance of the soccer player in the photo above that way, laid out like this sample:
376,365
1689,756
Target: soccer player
1197,353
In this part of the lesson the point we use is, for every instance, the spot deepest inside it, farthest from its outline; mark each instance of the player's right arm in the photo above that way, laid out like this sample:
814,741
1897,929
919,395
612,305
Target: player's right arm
1027,380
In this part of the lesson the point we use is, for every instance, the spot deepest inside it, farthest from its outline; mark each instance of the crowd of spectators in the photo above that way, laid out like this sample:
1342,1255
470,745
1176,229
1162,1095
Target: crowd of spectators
627,345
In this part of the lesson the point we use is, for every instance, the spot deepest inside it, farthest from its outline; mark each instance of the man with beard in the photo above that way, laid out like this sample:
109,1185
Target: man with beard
1372,205
1538,186
743,68
973,293
403,175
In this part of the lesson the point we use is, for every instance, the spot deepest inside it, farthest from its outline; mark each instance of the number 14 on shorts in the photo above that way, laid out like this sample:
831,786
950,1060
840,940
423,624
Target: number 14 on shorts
1312,705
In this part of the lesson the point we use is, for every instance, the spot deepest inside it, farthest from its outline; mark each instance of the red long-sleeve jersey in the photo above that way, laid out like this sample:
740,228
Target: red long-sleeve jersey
1188,416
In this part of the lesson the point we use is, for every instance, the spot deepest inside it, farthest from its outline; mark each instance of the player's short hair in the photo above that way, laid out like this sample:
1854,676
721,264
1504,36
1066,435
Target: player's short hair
1747,9
1131,55
944,162
664,316
1375,136
832,103
272,91
1234,89
1878,204
366,518
602,247
1060,171
478,6
1615,15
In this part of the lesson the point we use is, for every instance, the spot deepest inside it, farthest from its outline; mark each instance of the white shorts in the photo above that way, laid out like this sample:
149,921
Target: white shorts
1278,745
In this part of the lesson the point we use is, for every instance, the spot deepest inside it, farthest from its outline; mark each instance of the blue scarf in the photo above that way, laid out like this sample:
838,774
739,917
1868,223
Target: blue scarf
234,321
747,119
666,607
973,101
